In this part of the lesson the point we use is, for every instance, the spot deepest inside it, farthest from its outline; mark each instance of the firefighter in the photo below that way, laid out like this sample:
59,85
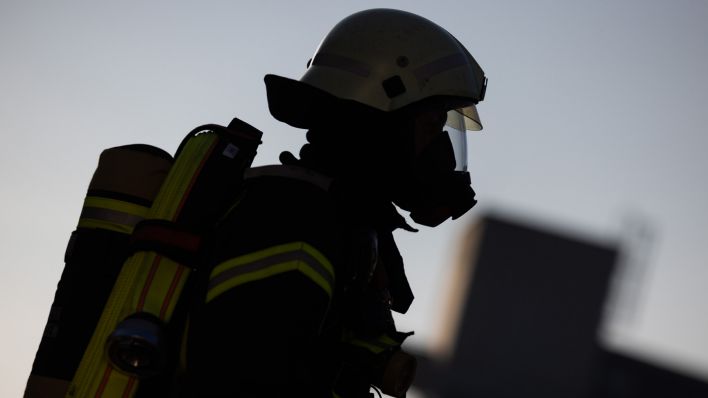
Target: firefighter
303,272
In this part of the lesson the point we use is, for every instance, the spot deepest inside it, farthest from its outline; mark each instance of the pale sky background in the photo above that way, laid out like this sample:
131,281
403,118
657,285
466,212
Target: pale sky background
595,113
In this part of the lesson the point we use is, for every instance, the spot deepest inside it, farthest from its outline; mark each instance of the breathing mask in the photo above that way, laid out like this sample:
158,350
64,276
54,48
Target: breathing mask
437,184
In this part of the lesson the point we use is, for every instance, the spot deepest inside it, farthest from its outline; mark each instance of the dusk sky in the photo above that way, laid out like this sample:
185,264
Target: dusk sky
594,121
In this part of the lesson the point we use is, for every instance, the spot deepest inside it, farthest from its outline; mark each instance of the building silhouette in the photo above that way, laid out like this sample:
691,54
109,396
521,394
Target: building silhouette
523,319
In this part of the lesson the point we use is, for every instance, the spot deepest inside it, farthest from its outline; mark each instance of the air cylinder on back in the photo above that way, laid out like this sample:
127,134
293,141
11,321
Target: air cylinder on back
120,193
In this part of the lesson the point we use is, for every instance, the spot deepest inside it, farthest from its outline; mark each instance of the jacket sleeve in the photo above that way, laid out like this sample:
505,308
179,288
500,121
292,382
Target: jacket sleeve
266,296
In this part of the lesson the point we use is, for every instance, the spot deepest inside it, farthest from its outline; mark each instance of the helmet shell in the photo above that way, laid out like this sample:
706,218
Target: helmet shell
388,59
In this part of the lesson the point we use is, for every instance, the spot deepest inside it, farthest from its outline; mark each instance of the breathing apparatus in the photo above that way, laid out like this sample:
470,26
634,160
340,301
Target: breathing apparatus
123,298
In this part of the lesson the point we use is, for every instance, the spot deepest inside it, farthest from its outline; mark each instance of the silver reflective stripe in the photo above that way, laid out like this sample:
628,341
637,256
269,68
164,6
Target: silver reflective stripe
113,216
271,261
343,63
440,65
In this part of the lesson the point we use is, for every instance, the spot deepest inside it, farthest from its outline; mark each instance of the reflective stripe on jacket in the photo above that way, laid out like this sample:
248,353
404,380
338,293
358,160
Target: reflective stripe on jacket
296,256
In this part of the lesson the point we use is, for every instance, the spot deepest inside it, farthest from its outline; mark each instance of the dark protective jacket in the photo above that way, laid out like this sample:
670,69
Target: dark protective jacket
297,293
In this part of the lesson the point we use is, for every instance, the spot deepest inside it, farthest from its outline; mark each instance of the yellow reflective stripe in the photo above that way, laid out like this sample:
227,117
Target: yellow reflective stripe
180,178
113,384
368,345
296,256
156,292
94,362
271,251
115,204
386,339
158,289
266,273
100,224
111,214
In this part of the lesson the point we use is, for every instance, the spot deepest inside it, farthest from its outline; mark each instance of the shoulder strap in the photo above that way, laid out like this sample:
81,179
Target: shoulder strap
292,172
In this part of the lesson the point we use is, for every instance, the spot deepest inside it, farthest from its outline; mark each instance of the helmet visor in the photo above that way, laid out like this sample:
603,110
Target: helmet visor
464,119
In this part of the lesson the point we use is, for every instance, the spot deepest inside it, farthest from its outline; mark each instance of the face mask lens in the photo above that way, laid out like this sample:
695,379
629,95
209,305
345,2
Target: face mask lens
455,128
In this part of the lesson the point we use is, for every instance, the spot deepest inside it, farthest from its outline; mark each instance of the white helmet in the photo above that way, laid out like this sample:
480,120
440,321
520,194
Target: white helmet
385,59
